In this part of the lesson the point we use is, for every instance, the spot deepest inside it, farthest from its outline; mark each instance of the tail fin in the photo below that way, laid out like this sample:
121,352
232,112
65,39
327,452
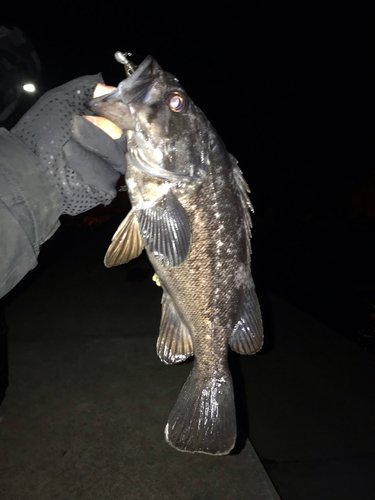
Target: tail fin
203,419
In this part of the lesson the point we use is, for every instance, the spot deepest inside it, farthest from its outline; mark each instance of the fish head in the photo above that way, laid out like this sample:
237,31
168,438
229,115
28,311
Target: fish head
167,134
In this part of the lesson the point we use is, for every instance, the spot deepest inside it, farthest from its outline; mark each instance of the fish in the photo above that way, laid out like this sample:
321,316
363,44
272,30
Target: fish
191,212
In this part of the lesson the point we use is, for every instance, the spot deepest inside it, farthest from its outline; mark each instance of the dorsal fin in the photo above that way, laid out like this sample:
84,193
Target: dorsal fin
247,206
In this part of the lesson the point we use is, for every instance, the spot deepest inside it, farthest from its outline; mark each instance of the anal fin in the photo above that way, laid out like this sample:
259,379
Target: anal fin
174,344
126,243
247,335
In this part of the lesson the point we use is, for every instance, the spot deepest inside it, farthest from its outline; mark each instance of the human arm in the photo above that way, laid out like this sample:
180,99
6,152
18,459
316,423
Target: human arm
52,162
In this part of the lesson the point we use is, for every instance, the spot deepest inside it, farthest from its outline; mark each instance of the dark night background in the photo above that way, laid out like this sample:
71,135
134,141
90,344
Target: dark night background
286,84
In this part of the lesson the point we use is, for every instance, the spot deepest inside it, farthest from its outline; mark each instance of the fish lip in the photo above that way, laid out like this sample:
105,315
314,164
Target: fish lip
131,80
111,97
124,85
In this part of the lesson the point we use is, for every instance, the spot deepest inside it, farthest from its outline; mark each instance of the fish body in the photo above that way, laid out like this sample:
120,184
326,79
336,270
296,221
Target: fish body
190,210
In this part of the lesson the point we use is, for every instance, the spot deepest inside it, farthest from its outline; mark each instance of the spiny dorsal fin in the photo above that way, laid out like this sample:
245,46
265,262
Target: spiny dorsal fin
247,207
126,243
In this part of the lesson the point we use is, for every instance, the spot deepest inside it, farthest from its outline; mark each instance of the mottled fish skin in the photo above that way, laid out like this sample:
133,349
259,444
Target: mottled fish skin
209,297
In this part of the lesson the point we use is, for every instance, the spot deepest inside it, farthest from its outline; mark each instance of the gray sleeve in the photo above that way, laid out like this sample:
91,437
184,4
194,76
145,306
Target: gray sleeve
30,207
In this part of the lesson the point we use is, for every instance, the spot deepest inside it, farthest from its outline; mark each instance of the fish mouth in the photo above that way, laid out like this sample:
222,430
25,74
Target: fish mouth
140,81
132,87
115,105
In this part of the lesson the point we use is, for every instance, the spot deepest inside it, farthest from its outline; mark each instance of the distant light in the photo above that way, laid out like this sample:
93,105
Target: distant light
29,87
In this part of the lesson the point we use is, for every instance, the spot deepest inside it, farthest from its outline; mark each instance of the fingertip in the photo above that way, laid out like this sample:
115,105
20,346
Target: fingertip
102,89
106,125
92,119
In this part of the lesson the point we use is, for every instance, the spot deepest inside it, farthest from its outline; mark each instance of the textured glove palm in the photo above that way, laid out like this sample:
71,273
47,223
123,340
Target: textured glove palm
79,158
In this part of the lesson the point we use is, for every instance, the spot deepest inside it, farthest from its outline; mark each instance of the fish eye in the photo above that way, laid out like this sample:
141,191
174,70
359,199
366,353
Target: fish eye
177,101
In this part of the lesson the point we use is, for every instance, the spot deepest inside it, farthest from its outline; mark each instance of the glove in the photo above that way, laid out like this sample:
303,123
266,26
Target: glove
81,160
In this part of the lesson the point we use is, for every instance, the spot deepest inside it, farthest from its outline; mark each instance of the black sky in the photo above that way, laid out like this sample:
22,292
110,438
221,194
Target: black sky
271,72
285,84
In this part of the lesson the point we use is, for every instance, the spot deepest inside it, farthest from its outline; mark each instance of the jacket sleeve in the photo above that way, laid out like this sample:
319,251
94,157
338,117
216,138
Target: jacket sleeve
30,207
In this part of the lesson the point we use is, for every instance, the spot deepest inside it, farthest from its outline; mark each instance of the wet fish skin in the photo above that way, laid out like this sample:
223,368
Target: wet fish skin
191,212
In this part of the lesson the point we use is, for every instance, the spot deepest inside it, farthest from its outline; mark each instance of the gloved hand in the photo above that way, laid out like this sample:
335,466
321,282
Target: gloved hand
79,158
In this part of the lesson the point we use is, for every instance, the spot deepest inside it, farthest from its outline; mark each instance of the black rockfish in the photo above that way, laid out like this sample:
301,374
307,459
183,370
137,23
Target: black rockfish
191,211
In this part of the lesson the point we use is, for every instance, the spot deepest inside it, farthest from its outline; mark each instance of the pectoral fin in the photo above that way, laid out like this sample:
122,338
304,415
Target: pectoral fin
165,229
126,243
247,336
174,344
